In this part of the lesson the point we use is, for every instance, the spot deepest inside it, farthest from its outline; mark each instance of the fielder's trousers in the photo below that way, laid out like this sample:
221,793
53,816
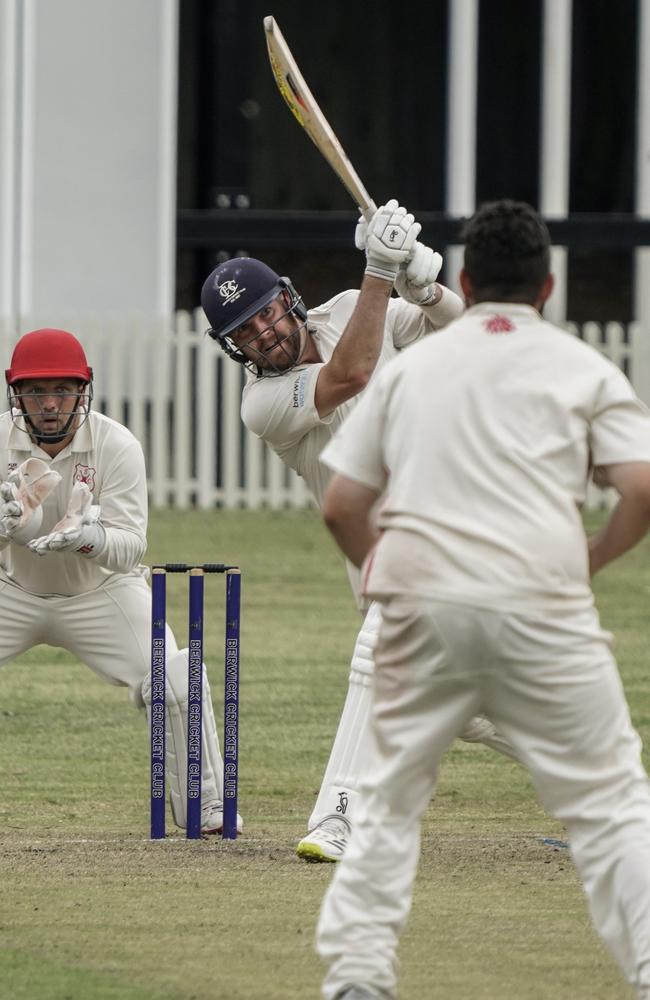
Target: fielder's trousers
552,688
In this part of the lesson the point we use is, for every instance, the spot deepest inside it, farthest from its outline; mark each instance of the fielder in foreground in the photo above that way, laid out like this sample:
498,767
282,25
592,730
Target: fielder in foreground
73,522
306,371
480,442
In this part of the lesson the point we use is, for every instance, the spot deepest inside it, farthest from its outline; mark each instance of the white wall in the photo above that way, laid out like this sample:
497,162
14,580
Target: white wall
8,190
91,96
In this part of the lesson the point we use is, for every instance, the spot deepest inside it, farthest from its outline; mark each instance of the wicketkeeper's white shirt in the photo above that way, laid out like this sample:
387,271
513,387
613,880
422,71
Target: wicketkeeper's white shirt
484,436
107,457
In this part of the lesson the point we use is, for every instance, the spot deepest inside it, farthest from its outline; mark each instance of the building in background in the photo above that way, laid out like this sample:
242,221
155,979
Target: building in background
88,153
443,104
143,141
447,105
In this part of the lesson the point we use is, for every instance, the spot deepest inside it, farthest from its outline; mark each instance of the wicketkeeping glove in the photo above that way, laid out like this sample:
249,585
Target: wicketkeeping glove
415,281
78,531
21,497
388,240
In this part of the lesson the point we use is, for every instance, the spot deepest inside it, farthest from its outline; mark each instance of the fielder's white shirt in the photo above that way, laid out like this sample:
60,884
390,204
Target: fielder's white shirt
483,438
281,410
107,457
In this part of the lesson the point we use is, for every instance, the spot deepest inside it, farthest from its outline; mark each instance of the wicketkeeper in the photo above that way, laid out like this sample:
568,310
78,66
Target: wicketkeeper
306,372
73,523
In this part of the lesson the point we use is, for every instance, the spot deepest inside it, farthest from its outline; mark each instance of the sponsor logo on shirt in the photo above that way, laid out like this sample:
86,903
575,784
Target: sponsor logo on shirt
499,324
298,394
84,474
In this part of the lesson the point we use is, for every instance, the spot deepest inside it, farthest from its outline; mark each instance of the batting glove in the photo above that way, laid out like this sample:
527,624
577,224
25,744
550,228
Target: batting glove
388,240
416,279
361,233
78,531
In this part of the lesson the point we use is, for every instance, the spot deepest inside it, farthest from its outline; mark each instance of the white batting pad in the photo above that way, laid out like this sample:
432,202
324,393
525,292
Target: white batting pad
350,756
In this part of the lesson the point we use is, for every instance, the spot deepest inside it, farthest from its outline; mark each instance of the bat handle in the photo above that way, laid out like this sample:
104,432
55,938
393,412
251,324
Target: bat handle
368,210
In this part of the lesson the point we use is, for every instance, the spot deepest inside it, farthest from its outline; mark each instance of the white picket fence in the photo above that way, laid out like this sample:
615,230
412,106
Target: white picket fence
180,395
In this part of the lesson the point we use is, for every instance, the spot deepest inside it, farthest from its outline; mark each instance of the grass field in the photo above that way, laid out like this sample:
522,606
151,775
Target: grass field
91,910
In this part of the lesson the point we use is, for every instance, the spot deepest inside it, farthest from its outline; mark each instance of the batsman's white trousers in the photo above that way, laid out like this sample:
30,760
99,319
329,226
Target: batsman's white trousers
552,688
109,629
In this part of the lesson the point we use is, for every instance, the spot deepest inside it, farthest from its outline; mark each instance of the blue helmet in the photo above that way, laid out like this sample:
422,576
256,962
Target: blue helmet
237,290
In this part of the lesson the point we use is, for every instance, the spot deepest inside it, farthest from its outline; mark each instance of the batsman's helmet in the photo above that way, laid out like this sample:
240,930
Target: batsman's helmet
237,290
48,353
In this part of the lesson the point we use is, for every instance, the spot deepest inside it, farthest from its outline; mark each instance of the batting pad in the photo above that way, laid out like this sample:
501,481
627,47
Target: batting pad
350,756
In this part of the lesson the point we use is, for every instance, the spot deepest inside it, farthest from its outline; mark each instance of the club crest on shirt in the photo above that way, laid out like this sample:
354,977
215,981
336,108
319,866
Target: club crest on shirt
84,474
498,324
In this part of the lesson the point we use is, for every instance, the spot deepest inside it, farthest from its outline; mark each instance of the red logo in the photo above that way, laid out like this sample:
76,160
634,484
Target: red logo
499,324
84,474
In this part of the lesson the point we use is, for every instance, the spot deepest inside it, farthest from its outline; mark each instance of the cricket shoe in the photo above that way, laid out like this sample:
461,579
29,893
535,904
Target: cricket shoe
326,842
212,819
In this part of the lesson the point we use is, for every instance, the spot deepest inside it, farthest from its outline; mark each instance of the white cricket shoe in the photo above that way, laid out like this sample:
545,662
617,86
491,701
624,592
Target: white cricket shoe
212,819
326,842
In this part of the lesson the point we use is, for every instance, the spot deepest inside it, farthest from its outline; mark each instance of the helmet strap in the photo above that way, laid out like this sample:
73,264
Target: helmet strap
49,438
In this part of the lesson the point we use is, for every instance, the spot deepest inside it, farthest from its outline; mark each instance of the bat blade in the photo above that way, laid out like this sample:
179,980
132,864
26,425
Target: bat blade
309,116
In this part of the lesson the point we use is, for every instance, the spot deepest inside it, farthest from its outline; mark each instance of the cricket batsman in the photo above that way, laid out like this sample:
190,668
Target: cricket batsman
306,371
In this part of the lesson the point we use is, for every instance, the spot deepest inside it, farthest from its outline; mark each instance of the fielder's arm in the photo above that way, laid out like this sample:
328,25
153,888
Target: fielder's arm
347,512
630,519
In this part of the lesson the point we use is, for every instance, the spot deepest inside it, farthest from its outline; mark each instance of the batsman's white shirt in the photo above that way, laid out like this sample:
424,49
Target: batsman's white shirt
107,457
282,410
507,412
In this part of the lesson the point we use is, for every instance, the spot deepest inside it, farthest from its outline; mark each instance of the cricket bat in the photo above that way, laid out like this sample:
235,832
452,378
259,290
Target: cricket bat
300,99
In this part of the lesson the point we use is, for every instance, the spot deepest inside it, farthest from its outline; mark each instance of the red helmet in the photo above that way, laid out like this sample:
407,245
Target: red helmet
48,353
